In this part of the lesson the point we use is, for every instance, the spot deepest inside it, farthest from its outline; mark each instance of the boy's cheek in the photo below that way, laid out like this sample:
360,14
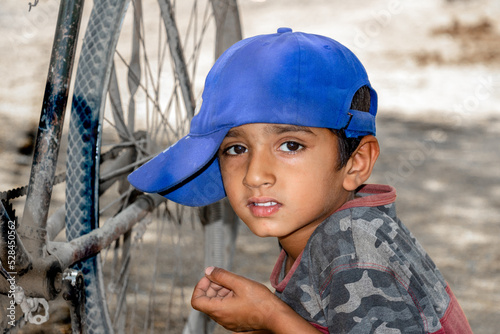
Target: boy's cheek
229,181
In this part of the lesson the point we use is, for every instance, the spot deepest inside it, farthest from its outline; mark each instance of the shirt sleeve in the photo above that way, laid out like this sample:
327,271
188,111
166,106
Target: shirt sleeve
367,300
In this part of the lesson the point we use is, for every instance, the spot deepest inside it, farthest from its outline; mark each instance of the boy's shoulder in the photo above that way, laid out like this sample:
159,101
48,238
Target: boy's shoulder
363,255
366,233
373,213
363,258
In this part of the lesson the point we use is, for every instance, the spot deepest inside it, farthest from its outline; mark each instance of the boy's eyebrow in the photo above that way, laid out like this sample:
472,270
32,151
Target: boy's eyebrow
233,133
274,129
283,128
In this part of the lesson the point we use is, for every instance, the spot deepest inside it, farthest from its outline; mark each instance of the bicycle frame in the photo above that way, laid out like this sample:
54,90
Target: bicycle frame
39,262
33,228
50,126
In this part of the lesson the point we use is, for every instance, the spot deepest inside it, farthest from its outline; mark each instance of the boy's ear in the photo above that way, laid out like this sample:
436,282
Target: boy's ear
360,165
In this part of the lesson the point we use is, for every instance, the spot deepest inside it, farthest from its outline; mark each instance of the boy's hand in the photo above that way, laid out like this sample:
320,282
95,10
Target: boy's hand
236,303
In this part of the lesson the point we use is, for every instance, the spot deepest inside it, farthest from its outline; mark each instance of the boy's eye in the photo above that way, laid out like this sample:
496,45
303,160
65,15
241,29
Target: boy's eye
291,146
235,150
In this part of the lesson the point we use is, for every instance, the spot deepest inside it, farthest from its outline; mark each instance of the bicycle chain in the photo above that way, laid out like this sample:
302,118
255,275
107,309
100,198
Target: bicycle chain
61,177
22,191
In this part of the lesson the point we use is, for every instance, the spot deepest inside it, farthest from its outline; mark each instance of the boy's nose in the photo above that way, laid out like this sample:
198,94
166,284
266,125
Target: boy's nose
259,171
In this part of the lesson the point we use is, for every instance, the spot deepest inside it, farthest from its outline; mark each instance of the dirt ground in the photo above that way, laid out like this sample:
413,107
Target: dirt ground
436,67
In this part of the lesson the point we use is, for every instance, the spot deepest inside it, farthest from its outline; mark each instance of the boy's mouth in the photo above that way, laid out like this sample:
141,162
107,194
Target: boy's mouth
265,204
263,207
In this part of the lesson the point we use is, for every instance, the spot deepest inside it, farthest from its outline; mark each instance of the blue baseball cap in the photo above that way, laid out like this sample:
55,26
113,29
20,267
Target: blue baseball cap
284,78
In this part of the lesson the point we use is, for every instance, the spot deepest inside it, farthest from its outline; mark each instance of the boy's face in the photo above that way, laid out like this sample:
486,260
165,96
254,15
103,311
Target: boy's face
282,180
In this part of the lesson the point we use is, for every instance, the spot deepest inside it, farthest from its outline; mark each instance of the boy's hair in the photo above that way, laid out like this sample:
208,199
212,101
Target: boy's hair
346,146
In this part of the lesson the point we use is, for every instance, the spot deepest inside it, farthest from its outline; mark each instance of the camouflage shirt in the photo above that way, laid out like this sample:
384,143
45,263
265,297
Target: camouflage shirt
362,271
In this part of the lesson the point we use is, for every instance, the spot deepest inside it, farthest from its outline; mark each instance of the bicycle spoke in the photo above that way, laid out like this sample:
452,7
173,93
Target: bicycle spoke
116,107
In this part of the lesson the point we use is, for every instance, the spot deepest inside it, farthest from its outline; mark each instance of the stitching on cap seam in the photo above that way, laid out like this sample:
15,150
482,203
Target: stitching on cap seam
299,89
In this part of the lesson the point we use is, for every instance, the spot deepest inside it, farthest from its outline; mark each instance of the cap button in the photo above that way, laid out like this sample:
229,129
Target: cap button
284,29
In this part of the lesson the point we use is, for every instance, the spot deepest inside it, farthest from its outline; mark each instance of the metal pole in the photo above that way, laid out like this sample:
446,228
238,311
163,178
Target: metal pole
33,226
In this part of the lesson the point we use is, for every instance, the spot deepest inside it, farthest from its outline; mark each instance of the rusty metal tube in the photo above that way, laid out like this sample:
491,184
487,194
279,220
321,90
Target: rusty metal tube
92,243
50,127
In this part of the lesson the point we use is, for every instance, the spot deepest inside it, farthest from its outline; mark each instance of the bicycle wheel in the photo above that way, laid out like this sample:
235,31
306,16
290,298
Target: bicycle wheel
141,68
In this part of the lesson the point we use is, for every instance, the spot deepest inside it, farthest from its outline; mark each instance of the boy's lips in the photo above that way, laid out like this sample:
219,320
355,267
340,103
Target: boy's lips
263,206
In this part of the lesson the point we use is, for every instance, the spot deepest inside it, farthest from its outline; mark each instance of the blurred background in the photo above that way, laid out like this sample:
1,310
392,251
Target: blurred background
436,67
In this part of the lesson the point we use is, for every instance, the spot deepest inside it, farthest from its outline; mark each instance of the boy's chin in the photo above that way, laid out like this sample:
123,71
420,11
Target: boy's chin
261,232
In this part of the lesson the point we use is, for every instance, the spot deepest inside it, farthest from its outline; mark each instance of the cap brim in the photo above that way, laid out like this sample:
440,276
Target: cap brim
186,172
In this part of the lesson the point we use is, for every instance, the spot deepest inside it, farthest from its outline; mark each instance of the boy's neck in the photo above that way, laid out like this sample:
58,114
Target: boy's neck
294,244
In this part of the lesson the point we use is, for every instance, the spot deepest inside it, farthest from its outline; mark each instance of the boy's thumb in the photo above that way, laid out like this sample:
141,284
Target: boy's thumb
222,277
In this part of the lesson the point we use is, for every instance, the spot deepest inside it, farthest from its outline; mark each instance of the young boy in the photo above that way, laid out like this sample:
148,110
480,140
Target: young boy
287,131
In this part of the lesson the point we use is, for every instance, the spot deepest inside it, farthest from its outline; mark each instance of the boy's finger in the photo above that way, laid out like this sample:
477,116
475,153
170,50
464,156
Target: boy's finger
202,287
203,284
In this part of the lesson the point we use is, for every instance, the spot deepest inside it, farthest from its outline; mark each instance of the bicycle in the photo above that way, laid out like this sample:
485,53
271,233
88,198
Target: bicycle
102,150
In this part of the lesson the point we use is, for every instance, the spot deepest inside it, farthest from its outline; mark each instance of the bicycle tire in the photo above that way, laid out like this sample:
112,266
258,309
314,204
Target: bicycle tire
95,76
